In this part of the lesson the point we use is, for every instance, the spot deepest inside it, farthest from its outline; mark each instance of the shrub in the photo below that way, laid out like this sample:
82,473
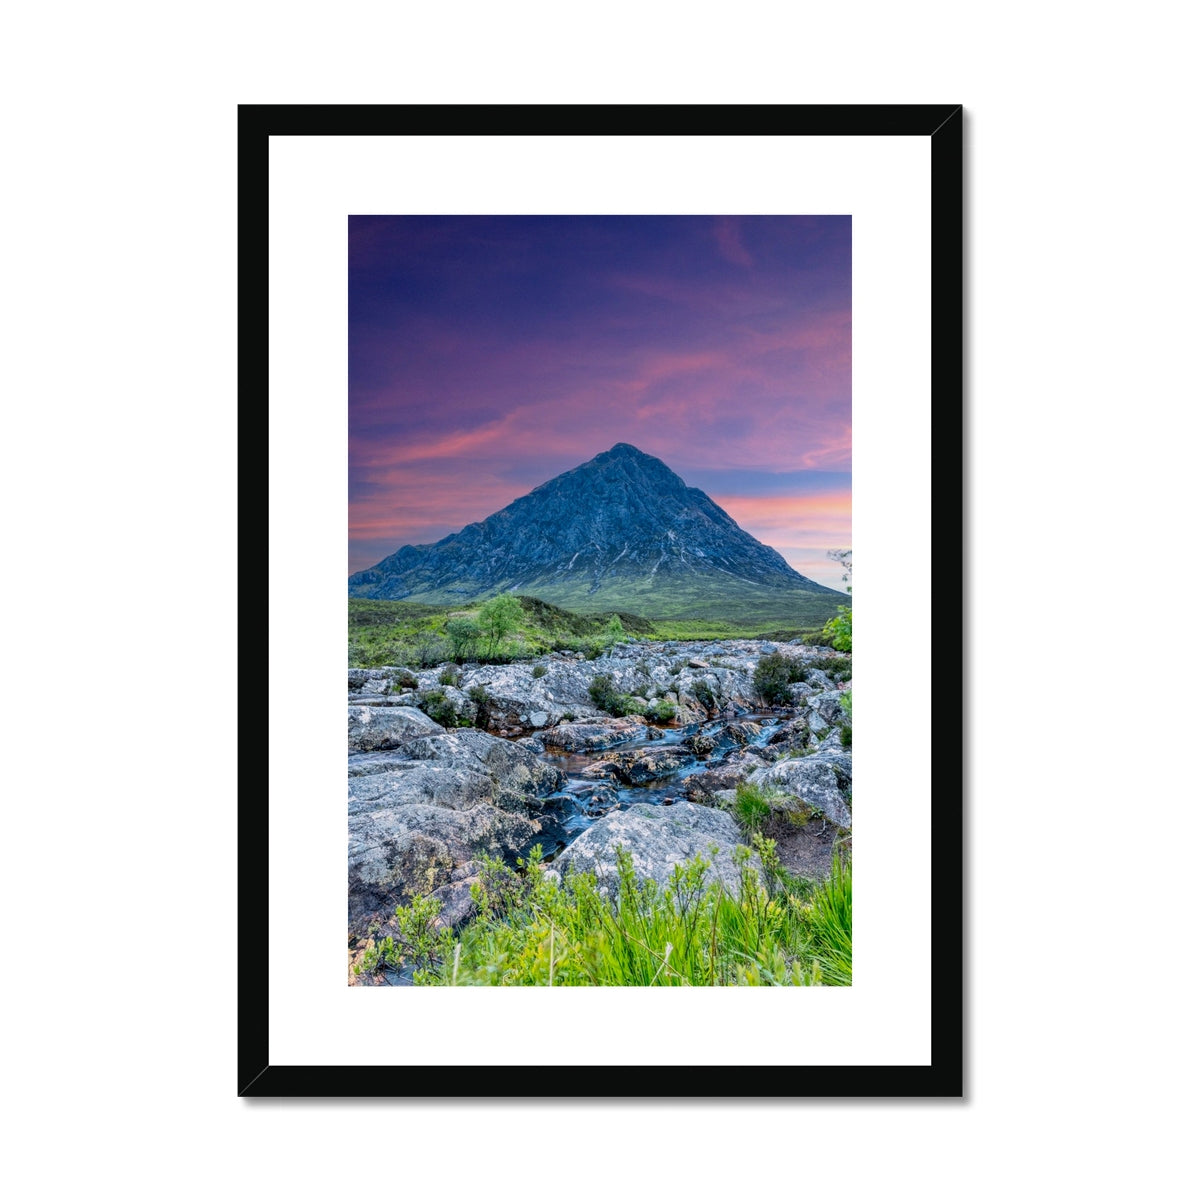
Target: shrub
592,651
605,696
435,704
837,667
403,681
704,693
774,676
450,677
603,692
846,735
539,671
661,711
838,629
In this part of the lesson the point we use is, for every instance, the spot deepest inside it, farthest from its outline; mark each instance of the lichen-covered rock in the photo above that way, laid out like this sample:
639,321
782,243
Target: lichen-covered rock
642,766
369,679
372,728
700,743
419,811
657,838
829,706
822,781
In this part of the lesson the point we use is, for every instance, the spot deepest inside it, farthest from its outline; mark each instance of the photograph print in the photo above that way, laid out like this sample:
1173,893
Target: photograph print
599,633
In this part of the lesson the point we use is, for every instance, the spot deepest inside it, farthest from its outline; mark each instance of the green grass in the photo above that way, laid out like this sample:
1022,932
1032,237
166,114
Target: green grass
534,931
401,633
710,598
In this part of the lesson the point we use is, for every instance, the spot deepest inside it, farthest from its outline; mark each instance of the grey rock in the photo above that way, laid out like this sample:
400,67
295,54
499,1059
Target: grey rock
791,736
640,767
371,679
657,837
582,736
417,813
822,781
701,787
829,705
371,728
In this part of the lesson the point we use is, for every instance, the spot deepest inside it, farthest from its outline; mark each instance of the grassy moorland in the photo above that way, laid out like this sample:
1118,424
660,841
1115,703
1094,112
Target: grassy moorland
397,632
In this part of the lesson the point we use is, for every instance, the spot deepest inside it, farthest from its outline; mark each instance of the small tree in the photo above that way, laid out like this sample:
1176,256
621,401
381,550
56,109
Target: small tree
614,631
463,635
499,617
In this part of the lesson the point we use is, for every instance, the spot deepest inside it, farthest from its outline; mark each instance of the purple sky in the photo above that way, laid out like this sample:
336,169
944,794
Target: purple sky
488,354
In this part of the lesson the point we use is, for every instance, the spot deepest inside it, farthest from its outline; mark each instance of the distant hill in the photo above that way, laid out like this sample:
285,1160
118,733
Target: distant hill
621,531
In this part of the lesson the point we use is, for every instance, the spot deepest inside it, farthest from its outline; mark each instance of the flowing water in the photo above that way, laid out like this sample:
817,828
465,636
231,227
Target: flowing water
584,800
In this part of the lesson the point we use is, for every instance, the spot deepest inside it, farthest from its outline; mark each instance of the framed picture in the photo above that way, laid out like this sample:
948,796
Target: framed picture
458,309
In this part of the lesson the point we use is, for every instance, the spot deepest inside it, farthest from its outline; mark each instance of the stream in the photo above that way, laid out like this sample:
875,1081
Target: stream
585,799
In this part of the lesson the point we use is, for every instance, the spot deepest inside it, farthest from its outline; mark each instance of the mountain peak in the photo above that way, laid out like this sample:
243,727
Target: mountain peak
620,531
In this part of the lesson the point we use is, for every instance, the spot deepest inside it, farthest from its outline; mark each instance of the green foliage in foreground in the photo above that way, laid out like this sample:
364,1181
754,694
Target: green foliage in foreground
535,931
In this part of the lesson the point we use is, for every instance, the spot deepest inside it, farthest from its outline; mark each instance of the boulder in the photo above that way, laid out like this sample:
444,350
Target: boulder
598,800
657,837
791,735
702,787
829,706
373,728
822,781
737,733
418,812
640,767
369,679
579,737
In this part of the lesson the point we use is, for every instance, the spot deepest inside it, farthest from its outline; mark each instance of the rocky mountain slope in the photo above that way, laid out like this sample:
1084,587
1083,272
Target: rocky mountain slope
621,531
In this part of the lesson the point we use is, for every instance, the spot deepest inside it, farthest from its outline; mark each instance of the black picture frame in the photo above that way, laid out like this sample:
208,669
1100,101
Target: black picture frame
943,125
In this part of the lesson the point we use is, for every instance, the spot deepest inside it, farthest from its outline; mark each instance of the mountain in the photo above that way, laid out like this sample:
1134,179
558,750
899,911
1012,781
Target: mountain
622,531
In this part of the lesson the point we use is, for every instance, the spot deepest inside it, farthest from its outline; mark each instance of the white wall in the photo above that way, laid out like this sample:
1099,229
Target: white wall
119,484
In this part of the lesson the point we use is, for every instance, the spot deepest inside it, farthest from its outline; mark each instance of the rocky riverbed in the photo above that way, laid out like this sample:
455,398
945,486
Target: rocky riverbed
451,764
